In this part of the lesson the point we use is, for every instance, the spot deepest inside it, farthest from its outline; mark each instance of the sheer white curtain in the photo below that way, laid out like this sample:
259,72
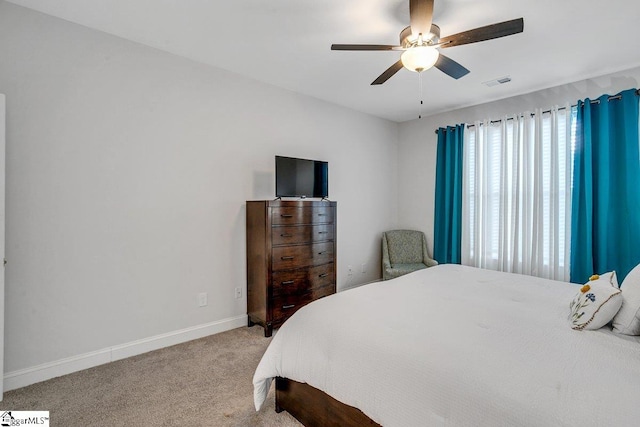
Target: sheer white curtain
517,194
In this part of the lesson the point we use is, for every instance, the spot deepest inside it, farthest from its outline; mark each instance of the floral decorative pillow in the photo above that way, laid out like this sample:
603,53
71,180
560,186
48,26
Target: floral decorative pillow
596,303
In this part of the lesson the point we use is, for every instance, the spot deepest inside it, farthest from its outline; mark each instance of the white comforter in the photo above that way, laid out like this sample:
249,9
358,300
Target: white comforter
459,346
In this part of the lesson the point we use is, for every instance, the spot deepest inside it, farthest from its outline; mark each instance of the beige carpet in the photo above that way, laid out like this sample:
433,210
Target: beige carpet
206,382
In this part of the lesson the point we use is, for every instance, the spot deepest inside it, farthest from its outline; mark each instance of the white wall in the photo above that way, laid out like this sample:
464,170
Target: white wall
127,173
418,141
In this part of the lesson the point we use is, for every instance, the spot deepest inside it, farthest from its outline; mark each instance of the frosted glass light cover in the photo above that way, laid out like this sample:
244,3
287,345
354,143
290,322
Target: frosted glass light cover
419,58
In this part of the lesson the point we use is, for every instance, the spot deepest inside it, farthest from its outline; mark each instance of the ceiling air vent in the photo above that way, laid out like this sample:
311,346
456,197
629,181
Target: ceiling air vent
500,81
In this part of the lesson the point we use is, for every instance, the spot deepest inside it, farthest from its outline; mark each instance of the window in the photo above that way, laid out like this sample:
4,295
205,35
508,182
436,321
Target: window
517,193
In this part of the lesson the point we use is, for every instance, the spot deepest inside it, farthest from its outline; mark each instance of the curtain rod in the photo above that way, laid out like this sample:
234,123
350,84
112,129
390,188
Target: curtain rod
593,101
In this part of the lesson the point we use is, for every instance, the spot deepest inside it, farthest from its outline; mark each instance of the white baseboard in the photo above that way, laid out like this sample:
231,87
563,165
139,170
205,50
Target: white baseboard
46,371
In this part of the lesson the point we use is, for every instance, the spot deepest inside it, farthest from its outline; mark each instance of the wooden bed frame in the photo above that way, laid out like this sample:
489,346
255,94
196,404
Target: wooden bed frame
315,408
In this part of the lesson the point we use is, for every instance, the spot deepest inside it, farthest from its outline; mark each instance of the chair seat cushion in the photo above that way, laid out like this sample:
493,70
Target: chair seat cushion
398,270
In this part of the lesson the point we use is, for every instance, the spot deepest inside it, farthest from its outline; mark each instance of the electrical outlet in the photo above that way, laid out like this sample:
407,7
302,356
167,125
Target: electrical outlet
202,299
363,268
350,270
238,292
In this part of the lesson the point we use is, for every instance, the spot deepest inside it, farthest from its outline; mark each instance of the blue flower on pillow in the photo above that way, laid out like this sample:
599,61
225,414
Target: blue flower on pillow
591,297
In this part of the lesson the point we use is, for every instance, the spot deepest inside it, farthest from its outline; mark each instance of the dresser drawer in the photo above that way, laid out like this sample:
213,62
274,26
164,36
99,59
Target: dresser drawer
285,306
292,234
291,215
293,282
290,257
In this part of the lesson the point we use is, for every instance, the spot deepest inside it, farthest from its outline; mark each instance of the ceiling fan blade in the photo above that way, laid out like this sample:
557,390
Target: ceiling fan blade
481,34
363,47
421,14
450,67
388,73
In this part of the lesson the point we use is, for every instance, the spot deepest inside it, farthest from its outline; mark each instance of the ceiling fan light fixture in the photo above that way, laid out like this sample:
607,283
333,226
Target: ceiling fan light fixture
419,58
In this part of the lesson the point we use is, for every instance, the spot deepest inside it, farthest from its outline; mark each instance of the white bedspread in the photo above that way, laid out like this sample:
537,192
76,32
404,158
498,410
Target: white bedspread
459,346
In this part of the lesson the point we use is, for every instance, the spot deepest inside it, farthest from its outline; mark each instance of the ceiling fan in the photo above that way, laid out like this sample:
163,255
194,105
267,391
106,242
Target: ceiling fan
421,42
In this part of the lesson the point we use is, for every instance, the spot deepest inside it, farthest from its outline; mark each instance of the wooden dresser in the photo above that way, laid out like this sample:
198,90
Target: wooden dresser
291,258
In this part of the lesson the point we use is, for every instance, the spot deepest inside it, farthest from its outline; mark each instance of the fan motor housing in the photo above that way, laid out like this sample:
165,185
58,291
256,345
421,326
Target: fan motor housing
406,38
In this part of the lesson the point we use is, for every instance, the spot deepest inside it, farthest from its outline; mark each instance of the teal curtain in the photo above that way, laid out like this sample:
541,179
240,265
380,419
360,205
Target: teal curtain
605,211
448,202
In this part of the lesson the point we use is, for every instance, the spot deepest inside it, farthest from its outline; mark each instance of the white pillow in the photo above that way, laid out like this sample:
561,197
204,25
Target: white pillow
627,321
596,303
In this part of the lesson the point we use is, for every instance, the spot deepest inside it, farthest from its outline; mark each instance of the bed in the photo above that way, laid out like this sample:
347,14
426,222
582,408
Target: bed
451,346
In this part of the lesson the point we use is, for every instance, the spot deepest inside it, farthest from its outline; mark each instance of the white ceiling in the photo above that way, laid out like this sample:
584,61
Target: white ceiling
287,43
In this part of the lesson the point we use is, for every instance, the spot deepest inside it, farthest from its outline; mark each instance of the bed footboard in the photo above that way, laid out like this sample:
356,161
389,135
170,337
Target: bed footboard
314,408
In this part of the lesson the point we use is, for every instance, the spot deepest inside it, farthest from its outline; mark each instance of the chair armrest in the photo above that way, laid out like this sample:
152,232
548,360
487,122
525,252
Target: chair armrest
386,263
425,255
430,262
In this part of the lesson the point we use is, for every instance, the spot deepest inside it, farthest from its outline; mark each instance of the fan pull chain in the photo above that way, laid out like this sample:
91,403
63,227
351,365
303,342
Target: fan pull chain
421,97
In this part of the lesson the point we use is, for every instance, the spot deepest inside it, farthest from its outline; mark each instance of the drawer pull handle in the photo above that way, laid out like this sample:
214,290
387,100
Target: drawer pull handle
284,307
285,235
323,232
287,282
322,214
322,253
286,215
286,258
323,275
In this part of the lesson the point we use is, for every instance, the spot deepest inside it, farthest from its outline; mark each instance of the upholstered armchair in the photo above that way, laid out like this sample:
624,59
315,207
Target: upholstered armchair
404,251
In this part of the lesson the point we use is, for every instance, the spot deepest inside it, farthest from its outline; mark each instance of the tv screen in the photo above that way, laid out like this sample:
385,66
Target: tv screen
301,177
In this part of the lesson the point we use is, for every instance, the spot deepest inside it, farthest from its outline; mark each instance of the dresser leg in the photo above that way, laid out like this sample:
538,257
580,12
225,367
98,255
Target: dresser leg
250,323
268,330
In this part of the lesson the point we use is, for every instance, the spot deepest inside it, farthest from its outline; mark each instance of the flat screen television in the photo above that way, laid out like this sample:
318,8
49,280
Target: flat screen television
301,178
